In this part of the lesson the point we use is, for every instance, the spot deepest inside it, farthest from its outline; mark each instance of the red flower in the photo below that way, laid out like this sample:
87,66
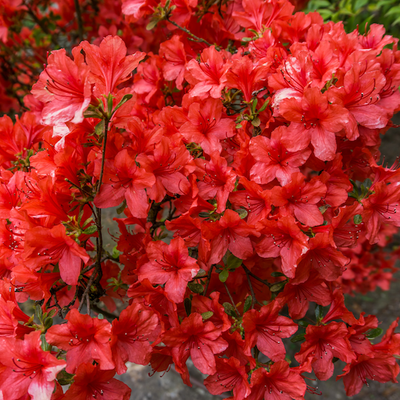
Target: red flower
209,76
90,382
323,343
64,88
206,127
26,368
273,160
229,233
169,264
131,335
314,120
230,375
280,382
46,246
381,207
84,338
129,182
170,165
266,328
174,55
196,339
109,65
301,199
282,238
216,179
381,368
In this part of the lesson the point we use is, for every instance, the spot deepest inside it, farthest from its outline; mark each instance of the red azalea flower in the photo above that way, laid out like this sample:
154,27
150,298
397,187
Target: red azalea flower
196,339
230,375
282,238
216,179
381,368
64,88
314,120
273,160
90,382
266,328
381,207
131,335
280,382
44,246
127,181
228,233
206,127
169,264
27,368
209,76
109,65
84,338
324,342
300,198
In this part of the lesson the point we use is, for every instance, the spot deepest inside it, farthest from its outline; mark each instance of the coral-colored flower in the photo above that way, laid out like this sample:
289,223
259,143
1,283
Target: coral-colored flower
169,264
84,338
26,368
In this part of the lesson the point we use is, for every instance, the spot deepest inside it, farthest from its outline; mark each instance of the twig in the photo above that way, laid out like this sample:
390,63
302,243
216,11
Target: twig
253,296
79,19
231,299
256,277
106,313
208,280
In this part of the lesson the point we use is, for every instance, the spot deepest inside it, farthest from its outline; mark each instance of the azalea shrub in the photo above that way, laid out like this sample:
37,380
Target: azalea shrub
237,144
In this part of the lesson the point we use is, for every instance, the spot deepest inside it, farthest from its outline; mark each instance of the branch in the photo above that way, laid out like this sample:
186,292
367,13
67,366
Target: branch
231,299
256,277
79,19
208,280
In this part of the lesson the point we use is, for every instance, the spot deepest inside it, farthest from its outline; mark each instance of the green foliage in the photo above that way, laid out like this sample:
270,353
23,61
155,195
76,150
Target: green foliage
355,13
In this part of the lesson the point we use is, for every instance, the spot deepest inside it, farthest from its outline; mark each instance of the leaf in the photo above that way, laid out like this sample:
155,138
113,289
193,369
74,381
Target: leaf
247,304
64,378
394,10
242,213
126,98
121,208
233,262
229,309
357,219
276,274
152,24
297,338
256,122
207,315
99,128
277,287
319,314
196,287
89,231
100,316
303,323
374,333
223,276
188,306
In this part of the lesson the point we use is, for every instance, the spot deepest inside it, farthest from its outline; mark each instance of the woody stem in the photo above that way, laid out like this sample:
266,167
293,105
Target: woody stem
208,280
231,299
256,277
79,19
253,296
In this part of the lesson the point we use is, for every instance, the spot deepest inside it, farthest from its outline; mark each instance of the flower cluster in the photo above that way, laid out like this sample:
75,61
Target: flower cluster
240,145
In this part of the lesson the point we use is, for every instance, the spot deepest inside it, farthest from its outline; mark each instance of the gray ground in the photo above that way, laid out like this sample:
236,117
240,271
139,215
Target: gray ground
386,305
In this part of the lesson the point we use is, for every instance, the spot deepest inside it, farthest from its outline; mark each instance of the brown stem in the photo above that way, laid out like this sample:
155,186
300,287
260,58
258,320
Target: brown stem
231,299
256,277
208,280
79,19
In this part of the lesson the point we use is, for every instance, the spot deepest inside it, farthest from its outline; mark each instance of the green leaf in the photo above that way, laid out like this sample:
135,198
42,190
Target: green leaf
207,315
100,316
99,128
121,208
126,98
223,276
89,231
188,306
45,346
319,312
229,309
247,304
64,378
264,106
48,322
374,333
196,287
276,274
393,10
152,24
297,338
242,212
233,262
357,219
277,287
304,323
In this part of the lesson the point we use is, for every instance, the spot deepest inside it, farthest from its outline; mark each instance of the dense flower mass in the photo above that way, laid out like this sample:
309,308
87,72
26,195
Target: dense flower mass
240,142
